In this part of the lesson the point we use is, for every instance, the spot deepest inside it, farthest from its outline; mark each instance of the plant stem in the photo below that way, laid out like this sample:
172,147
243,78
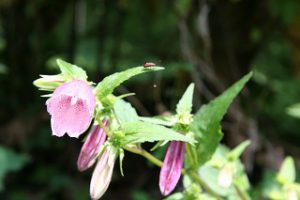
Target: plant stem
102,126
190,156
201,182
145,154
242,195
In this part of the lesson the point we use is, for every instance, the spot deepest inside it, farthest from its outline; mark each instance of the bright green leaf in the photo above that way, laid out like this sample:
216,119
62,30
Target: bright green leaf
175,196
125,112
108,84
138,132
287,173
71,71
10,161
237,151
294,110
157,120
186,102
206,123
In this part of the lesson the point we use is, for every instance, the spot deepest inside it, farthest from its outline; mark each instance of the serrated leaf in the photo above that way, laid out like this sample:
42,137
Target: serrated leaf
287,173
206,123
158,121
125,112
139,132
109,83
185,104
71,71
237,151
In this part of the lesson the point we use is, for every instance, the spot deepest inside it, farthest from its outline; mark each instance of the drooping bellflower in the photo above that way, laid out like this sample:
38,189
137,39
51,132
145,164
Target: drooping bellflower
171,169
102,173
71,107
91,147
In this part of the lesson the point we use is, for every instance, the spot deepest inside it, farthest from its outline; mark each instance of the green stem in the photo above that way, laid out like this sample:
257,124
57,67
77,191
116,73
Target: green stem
201,182
145,154
103,126
241,193
190,155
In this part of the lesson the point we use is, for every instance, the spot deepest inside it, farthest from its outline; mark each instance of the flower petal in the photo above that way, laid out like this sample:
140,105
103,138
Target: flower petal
171,169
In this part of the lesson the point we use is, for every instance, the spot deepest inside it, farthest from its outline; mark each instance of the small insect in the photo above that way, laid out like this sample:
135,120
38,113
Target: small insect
149,64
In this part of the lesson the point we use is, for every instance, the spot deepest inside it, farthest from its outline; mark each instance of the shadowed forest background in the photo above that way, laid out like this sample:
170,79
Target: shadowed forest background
212,43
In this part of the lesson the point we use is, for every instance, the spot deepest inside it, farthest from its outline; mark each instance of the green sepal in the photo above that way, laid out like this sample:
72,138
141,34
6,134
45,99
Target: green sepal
70,71
121,157
237,151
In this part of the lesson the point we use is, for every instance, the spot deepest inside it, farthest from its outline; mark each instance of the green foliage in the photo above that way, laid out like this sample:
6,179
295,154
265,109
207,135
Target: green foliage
71,71
109,83
160,120
138,132
125,112
237,151
206,123
294,110
210,173
185,104
287,173
10,161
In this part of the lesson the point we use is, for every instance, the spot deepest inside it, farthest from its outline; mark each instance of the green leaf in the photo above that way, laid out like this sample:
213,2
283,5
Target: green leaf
71,71
138,132
175,196
10,161
125,112
157,120
294,110
185,104
237,151
109,83
206,123
287,173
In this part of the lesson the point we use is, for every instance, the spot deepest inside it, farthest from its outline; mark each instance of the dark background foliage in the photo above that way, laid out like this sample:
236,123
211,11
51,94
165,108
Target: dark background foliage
210,42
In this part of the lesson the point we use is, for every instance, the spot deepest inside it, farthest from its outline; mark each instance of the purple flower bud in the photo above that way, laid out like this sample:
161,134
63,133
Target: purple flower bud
171,169
91,147
102,174
71,108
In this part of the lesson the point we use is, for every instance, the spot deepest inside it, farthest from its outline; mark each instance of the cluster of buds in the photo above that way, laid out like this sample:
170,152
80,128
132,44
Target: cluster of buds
74,103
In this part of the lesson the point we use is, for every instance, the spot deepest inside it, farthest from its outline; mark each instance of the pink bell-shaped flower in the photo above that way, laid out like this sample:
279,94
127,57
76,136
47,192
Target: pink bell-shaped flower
171,169
71,107
91,147
102,173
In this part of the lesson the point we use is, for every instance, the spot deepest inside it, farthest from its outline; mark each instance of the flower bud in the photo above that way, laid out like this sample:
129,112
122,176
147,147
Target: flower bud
171,169
71,107
225,176
91,147
49,82
102,174
292,195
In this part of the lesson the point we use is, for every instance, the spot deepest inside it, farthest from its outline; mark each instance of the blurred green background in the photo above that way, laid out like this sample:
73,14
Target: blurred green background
210,42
